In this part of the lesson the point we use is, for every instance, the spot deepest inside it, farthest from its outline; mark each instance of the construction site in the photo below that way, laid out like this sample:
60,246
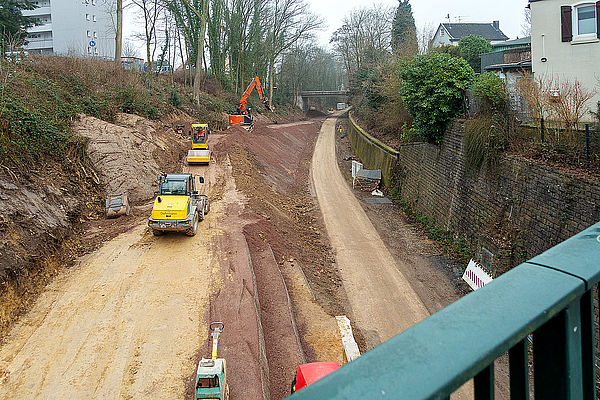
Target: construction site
249,238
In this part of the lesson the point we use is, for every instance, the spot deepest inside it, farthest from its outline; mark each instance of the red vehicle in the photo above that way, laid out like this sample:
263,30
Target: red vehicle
307,374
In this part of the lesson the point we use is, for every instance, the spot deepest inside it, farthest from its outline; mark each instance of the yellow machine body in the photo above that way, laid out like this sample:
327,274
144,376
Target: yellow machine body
171,207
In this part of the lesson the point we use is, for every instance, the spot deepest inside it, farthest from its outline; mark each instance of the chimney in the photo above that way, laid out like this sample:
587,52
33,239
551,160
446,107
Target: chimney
496,25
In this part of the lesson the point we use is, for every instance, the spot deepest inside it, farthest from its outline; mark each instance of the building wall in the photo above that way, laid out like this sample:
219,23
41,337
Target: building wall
441,38
73,25
568,60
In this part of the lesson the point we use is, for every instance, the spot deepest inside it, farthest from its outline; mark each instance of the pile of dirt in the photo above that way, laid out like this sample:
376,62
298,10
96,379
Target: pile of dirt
130,153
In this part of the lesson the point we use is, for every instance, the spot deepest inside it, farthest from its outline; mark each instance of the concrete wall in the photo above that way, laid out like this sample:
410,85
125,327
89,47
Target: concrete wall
578,59
373,153
517,210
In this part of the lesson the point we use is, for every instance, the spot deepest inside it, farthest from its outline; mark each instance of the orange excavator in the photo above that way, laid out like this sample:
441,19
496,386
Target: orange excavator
243,116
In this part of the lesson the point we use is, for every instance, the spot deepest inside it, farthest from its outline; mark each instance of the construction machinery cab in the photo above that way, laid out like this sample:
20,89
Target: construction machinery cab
200,136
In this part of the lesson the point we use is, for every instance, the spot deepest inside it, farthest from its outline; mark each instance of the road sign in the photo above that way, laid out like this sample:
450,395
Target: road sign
475,276
92,43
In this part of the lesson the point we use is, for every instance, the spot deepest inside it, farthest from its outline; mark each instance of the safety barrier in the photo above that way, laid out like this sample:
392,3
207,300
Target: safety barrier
550,297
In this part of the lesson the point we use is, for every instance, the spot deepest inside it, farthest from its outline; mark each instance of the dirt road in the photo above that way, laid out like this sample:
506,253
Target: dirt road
382,300
125,322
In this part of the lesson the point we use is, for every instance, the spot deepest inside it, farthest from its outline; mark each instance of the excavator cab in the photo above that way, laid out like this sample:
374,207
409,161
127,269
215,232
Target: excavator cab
243,116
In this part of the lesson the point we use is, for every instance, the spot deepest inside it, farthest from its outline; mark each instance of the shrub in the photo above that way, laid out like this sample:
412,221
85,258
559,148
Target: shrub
486,137
454,51
174,98
490,88
471,47
432,91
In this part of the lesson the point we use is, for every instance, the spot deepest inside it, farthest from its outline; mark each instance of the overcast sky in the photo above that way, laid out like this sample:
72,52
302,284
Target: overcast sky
426,13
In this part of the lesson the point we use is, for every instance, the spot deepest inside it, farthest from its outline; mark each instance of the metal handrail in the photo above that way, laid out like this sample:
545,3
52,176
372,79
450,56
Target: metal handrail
550,297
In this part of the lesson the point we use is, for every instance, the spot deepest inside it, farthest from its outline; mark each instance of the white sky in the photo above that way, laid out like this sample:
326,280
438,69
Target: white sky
426,12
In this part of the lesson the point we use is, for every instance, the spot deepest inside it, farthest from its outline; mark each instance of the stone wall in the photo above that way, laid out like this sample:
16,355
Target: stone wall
516,210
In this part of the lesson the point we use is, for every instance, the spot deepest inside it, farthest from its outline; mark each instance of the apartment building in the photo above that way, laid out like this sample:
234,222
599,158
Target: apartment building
81,28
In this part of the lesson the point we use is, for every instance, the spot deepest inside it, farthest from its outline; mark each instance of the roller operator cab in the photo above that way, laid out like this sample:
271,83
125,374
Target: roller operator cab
200,152
307,374
178,206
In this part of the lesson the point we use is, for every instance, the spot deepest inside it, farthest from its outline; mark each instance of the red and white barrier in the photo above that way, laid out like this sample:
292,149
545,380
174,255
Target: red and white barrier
475,276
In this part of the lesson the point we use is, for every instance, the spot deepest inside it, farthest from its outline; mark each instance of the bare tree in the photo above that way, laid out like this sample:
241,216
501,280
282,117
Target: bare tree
425,34
129,50
364,38
526,25
291,20
151,10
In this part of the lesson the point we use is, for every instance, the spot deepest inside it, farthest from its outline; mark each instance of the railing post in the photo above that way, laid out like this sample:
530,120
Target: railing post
542,128
484,383
587,346
587,143
519,371
557,356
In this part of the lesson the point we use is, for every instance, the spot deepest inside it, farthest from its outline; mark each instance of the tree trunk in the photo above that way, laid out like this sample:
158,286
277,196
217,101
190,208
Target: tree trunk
271,66
200,56
119,33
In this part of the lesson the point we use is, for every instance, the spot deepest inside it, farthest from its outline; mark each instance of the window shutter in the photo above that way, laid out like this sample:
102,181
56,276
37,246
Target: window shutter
598,19
566,23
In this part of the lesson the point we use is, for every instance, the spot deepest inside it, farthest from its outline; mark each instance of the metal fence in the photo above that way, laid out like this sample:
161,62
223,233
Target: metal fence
550,298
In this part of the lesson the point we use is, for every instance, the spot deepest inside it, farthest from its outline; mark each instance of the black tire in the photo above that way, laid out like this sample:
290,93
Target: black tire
156,232
201,217
191,231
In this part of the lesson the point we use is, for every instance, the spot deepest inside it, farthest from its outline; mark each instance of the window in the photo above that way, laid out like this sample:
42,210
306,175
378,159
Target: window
89,34
89,50
87,17
94,18
585,19
95,35
93,2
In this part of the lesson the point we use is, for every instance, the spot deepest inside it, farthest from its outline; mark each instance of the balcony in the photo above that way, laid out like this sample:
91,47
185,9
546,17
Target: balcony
40,28
38,44
37,11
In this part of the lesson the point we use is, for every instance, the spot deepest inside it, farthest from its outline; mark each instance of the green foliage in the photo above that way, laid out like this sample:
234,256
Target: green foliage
454,51
174,98
404,32
13,24
490,88
485,139
365,84
432,91
471,47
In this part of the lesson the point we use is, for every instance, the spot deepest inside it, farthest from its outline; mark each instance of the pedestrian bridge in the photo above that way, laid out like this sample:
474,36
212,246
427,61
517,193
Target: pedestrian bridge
545,307
305,96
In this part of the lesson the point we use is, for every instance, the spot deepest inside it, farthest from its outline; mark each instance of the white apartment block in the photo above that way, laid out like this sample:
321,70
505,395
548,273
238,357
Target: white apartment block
81,28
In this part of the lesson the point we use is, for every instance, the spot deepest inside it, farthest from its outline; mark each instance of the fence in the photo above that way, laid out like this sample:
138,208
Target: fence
550,297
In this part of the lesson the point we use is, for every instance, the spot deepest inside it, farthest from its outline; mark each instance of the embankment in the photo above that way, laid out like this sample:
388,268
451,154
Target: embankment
516,210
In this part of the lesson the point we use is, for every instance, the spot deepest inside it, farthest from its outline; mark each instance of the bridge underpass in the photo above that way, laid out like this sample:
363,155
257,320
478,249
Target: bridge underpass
305,96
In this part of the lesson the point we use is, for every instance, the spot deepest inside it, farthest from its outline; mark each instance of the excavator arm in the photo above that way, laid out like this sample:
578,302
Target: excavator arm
243,107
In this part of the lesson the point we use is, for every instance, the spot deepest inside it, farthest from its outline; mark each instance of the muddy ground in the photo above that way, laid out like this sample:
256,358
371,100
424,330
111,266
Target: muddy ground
288,247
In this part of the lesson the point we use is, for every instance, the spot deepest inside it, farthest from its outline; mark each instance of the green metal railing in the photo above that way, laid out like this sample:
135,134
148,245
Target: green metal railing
550,297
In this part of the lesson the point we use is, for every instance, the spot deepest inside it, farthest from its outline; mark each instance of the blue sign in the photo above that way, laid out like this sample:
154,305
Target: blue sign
92,43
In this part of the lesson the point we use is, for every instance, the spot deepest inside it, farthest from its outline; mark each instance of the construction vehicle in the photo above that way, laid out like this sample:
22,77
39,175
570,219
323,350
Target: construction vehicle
200,152
117,205
211,375
243,115
178,206
307,374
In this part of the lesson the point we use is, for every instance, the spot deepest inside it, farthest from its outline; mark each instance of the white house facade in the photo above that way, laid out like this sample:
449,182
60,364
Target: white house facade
565,43
451,33
71,27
